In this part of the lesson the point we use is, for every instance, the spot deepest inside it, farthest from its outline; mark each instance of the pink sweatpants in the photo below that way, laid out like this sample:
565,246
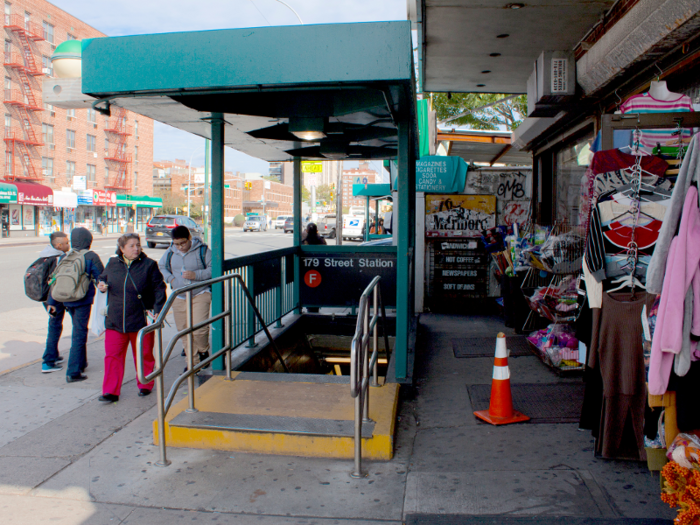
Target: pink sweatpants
116,345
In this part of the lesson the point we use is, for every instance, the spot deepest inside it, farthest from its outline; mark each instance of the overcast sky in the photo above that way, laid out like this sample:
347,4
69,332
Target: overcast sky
130,17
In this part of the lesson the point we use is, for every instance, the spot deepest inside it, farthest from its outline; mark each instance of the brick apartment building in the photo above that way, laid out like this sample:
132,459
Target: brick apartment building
357,176
52,149
277,197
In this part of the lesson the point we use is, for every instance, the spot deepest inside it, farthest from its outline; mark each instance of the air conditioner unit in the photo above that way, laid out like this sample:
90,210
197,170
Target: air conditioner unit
94,126
95,154
552,84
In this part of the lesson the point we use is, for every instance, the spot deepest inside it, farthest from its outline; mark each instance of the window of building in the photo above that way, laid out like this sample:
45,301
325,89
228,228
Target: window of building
8,83
50,109
70,138
91,172
8,46
572,160
136,181
47,134
92,115
70,171
106,146
106,174
70,114
27,18
136,153
70,37
47,168
136,129
92,143
48,32
46,66
8,12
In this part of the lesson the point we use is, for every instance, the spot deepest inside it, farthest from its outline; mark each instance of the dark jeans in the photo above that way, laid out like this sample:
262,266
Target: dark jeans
77,361
55,331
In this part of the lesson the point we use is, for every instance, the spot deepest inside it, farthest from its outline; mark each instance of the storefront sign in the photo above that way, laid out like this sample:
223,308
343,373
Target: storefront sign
85,198
459,215
457,271
441,174
33,194
80,182
104,198
65,199
8,194
311,167
340,278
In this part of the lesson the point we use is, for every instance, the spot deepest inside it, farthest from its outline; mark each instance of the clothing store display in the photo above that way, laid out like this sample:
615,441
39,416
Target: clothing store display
646,103
616,347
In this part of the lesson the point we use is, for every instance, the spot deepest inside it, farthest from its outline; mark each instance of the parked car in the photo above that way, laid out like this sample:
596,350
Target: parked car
280,220
326,226
159,227
289,224
255,223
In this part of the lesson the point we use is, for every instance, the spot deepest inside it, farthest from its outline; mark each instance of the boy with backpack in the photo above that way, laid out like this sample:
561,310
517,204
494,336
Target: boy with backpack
188,261
36,287
72,284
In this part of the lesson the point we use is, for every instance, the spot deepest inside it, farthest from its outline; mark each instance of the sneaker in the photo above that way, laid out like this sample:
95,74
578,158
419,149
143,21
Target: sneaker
75,379
47,369
108,398
143,392
203,356
59,360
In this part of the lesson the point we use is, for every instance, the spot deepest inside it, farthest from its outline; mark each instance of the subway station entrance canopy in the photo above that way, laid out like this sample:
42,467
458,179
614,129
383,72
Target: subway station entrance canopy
356,78
331,92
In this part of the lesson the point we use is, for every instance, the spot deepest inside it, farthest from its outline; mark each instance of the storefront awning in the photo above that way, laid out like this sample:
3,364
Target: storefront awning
65,199
371,190
33,194
8,193
140,201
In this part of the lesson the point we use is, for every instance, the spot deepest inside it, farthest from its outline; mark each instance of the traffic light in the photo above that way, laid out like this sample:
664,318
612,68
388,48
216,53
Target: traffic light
248,185
331,194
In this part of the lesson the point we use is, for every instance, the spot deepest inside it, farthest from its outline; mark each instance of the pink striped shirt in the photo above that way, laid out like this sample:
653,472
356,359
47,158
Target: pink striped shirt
645,103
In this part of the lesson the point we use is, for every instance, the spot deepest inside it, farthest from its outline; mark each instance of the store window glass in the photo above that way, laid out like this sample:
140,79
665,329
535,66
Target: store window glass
572,161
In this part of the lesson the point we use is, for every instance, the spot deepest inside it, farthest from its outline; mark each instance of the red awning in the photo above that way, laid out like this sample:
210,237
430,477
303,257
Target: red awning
33,194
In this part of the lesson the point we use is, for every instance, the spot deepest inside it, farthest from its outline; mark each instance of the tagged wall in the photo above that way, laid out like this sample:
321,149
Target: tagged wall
512,188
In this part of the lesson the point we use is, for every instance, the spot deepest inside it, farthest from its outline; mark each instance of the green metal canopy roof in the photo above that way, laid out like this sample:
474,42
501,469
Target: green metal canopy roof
372,190
357,78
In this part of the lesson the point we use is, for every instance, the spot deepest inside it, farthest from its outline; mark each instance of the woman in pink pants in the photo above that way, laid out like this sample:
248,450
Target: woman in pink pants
136,291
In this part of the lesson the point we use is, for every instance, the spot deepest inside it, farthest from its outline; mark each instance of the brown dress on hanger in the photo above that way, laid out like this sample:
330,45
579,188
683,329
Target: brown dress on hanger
616,347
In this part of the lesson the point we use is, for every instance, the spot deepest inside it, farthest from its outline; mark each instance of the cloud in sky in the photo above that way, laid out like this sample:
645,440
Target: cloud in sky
130,17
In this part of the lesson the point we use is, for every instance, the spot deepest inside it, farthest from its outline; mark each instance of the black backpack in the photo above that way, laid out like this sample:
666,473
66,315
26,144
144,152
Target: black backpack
202,257
37,276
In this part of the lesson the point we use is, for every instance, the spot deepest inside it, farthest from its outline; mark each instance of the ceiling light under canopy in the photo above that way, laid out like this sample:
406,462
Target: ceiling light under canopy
307,128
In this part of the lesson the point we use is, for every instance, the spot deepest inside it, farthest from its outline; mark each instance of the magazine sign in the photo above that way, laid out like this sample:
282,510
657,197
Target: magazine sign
459,215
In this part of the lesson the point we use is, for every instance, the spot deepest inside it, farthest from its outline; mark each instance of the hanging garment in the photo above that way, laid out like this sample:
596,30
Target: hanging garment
689,173
645,103
676,314
616,347
610,233
611,169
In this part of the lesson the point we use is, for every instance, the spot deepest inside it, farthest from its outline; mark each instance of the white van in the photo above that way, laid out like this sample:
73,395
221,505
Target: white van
354,227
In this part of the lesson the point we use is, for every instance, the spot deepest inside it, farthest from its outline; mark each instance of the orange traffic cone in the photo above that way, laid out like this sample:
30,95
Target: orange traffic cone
500,410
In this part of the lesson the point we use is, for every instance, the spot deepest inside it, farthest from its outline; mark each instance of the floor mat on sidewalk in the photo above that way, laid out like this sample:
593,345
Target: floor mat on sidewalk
443,519
486,346
544,403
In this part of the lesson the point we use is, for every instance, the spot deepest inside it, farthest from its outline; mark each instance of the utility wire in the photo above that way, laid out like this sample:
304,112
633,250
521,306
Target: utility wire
261,13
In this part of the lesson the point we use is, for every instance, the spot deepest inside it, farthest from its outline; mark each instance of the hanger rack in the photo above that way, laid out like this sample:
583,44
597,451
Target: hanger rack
611,122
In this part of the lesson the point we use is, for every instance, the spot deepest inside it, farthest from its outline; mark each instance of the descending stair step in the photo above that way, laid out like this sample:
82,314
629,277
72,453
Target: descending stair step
271,424
294,378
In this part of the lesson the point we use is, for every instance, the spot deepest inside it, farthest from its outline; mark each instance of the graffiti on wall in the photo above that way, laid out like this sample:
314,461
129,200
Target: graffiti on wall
513,191
459,215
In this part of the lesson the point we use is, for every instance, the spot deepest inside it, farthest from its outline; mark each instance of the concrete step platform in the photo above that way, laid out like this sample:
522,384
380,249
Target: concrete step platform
284,414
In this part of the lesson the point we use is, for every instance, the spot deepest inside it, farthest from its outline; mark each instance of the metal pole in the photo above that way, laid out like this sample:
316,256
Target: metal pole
252,319
365,362
375,335
207,204
280,294
339,206
217,231
228,294
358,436
158,347
296,230
190,354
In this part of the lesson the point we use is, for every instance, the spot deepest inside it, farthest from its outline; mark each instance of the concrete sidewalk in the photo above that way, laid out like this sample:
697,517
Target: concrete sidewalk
30,241
67,459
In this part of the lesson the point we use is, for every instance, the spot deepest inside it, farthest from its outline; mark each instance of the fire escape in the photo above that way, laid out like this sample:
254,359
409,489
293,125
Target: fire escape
22,141
117,157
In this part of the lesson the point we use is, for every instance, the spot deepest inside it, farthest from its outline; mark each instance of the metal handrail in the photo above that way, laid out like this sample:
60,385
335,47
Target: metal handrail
162,359
360,362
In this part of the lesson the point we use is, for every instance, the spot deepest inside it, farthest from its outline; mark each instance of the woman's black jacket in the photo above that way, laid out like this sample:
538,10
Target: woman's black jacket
132,290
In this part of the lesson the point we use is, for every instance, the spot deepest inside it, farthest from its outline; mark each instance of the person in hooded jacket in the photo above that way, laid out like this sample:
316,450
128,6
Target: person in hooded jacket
188,260
80,239
136,292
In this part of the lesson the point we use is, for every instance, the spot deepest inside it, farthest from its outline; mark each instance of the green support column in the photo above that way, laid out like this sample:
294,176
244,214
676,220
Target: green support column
297,228
217,230
207,192
402,252
367,221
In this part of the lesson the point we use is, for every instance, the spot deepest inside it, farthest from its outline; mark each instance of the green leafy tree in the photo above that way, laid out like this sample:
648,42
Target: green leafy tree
495,113
323,193
305,195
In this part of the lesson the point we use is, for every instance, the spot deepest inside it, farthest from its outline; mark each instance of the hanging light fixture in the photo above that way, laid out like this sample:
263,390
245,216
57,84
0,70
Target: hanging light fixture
307,128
